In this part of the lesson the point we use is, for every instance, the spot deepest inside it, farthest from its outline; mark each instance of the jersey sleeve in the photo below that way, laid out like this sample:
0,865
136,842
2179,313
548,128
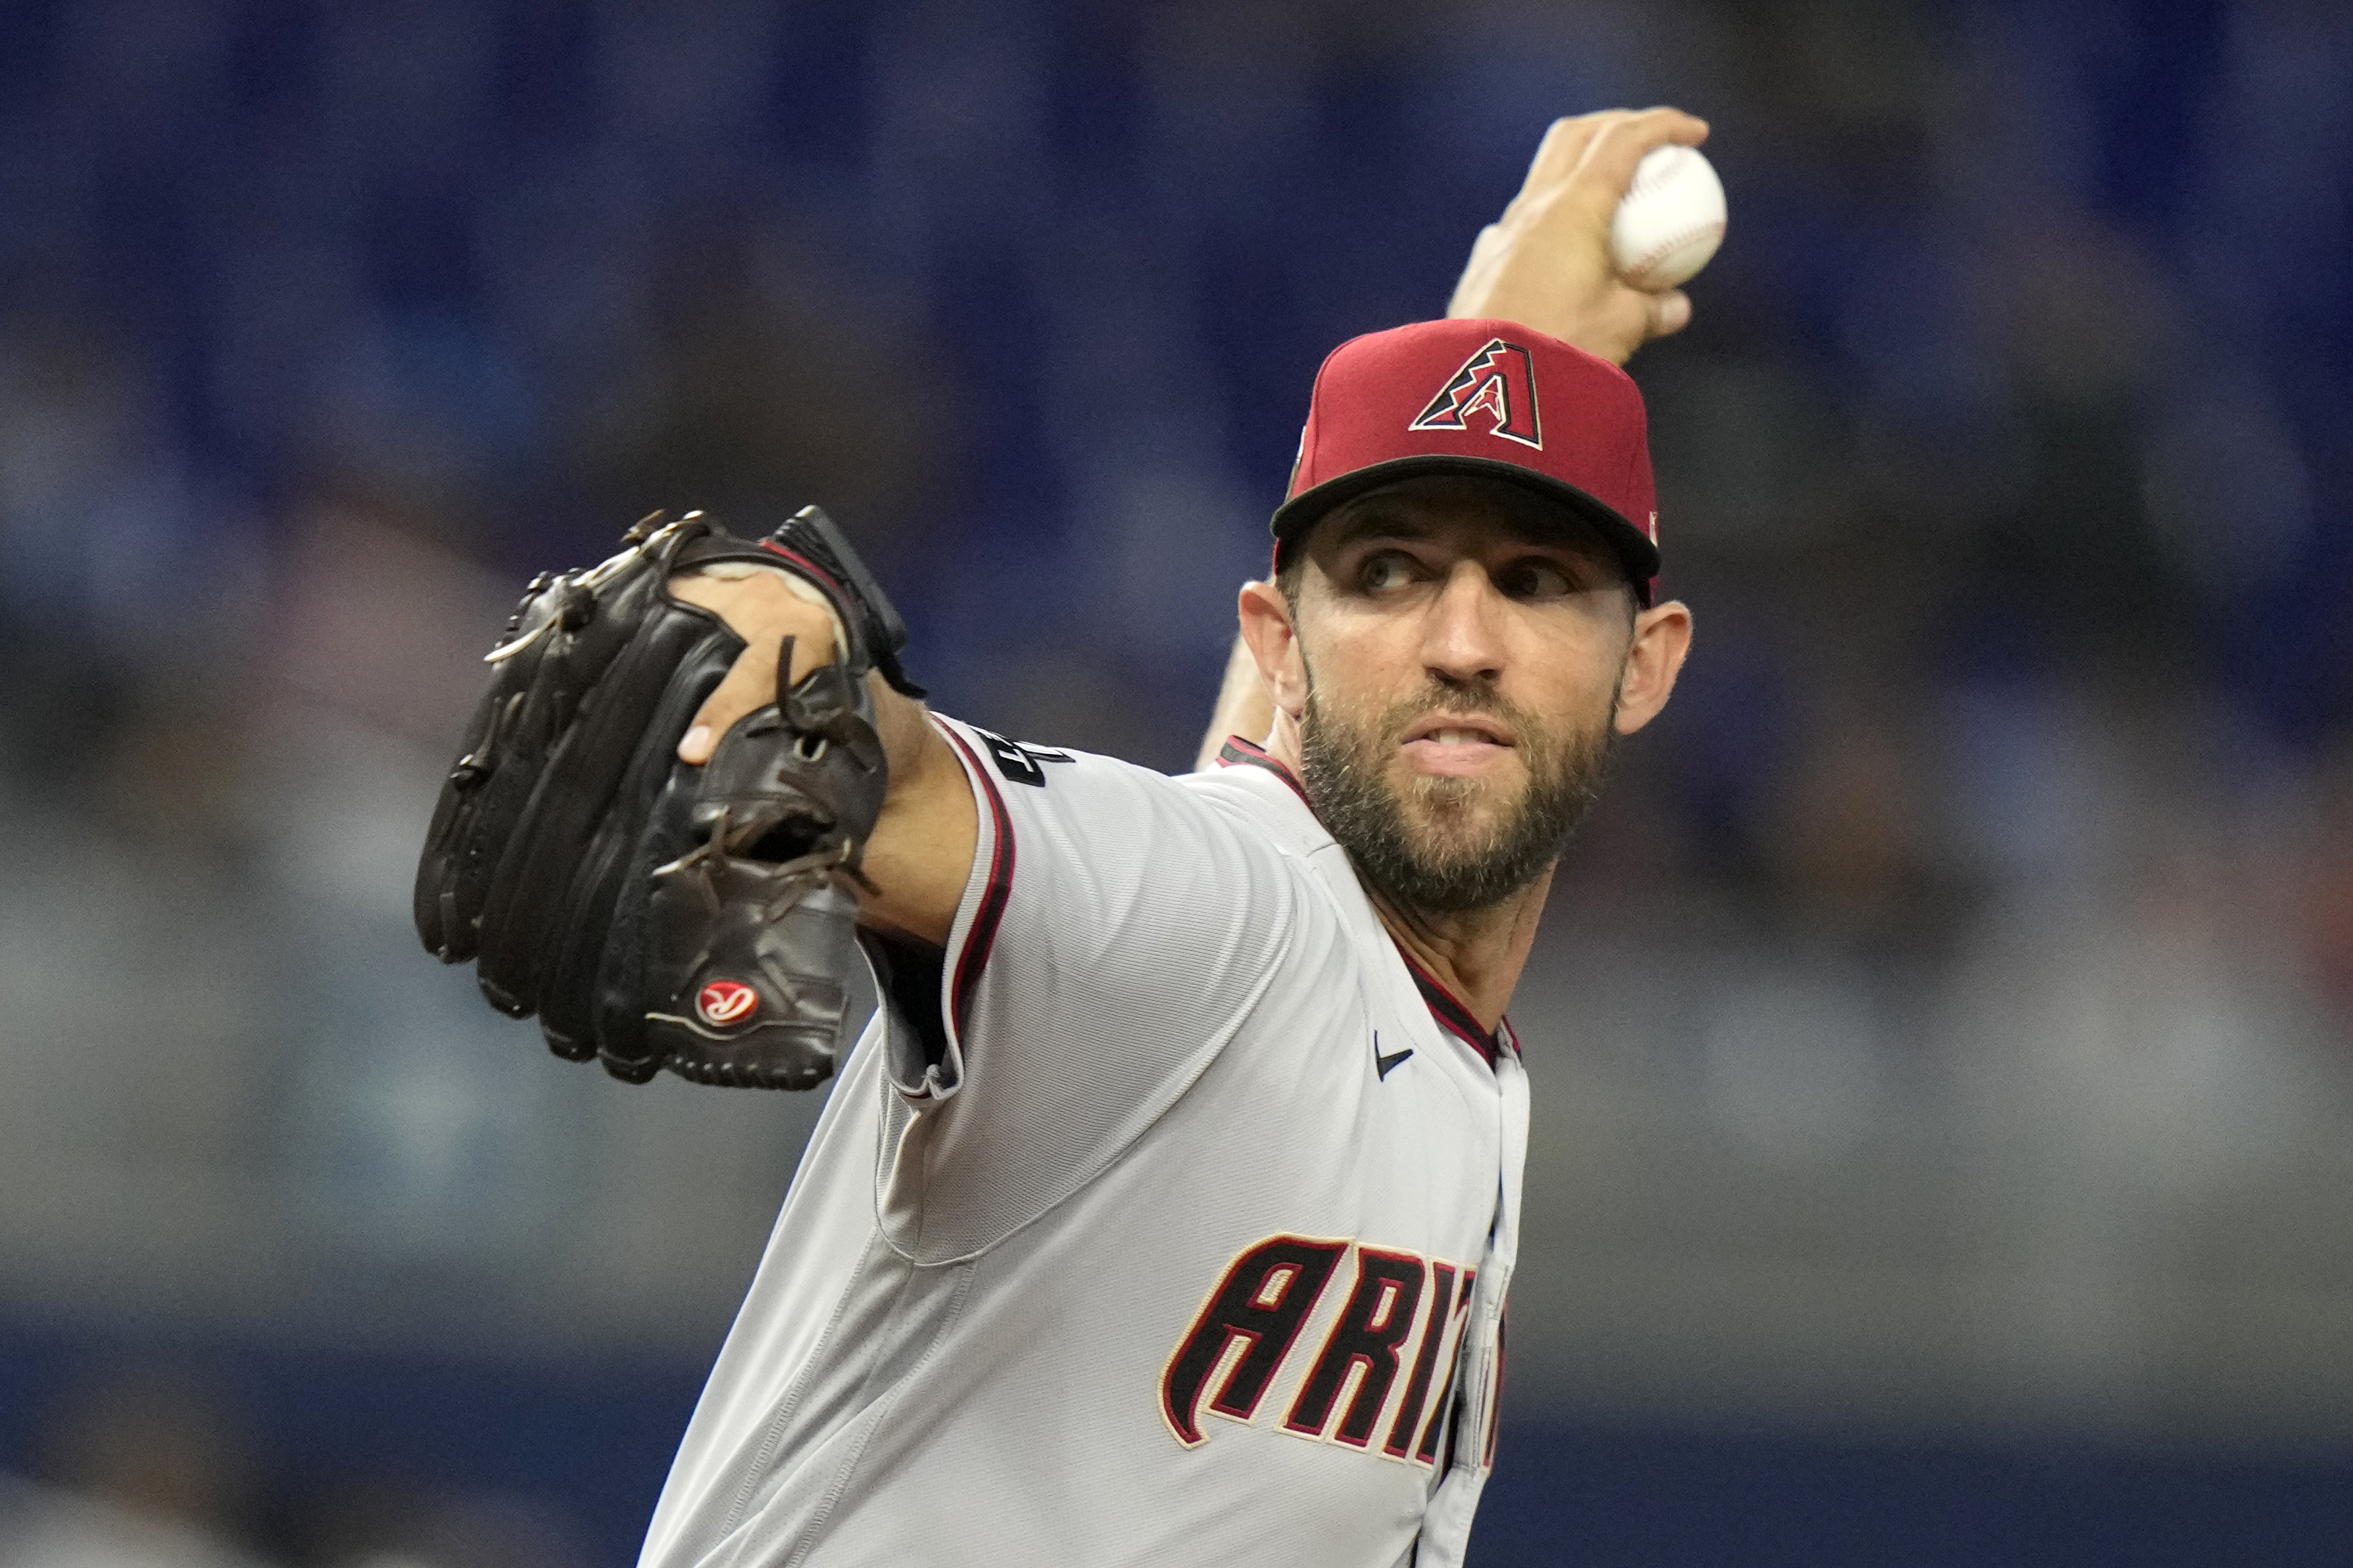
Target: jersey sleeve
1116,930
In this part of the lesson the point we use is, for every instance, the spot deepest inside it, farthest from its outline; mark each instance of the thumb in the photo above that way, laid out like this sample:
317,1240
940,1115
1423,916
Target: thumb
1668,312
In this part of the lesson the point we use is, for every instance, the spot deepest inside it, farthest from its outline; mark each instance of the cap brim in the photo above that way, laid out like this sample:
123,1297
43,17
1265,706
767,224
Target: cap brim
1295,517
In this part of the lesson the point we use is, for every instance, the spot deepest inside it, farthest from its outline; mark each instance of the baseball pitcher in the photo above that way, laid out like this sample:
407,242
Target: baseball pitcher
1166,1208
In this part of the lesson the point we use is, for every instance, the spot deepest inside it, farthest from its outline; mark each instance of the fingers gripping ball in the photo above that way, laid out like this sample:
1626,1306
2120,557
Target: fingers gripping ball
651,913
1669,221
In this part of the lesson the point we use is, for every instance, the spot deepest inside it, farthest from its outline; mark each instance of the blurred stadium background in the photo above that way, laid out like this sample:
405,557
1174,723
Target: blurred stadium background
1943,1042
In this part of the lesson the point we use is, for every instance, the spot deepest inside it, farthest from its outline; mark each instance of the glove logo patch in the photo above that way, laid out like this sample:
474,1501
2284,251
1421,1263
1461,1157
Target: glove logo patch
725,1002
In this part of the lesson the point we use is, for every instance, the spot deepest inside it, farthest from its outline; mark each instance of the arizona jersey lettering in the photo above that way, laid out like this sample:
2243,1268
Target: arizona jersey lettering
1178,1235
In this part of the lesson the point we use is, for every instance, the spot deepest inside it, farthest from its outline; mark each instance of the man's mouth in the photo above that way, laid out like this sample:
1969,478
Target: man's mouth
1454,730
1454,746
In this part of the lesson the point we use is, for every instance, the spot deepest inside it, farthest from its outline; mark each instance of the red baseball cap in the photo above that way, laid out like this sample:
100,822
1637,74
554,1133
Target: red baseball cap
1491,398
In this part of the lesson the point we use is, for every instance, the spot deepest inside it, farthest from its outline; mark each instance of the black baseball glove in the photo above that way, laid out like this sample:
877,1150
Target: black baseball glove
656,914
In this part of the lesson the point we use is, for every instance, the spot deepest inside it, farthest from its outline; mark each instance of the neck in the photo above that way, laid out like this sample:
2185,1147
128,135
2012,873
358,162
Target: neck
1477,954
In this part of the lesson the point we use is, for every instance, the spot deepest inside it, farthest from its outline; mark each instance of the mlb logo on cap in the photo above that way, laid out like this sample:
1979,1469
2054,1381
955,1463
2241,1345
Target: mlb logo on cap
1485,397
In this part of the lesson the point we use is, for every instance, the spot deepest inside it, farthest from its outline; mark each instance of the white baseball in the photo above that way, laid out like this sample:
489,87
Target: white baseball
1671,220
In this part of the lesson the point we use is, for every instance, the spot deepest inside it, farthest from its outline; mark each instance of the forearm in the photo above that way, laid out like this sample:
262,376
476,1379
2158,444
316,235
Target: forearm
920,856
1243,707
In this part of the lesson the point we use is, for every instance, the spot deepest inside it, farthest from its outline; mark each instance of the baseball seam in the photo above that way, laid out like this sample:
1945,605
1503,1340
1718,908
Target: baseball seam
1658,174
1669,246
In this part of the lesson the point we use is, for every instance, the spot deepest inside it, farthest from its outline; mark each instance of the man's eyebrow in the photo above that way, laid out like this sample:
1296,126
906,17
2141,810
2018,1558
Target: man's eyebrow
1376,519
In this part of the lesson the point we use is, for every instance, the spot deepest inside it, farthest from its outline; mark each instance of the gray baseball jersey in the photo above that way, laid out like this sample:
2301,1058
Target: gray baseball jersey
1183,1240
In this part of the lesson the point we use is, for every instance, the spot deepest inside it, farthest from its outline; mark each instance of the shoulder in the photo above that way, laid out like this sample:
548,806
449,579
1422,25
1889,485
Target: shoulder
1021,779
1251,785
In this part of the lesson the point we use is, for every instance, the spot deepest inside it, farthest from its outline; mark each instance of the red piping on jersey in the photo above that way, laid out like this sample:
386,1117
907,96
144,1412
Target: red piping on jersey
1238,753
1454,1017
982,936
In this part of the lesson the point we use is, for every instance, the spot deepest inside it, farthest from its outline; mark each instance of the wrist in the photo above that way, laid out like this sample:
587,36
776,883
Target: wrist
809,614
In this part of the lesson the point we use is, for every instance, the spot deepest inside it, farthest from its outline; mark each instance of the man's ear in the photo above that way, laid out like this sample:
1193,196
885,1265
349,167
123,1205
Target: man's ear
1265,617
1661,639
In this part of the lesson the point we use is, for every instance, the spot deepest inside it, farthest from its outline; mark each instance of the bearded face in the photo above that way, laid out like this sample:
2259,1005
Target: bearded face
1447,844
1463,652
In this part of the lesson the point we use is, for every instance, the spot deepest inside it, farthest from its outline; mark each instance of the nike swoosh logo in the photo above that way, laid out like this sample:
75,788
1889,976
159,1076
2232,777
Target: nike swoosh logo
1382,1064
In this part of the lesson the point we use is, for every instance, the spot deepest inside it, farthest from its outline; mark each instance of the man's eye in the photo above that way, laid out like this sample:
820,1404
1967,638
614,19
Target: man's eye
1537,579
1385,571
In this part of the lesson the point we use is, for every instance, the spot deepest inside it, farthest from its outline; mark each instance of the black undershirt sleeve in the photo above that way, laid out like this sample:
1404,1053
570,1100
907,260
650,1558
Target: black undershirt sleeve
910,973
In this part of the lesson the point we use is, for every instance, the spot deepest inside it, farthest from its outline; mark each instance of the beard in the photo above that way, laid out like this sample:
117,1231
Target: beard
1443,844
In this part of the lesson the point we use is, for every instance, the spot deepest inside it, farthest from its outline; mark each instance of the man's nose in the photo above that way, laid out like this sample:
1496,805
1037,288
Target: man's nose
1462,638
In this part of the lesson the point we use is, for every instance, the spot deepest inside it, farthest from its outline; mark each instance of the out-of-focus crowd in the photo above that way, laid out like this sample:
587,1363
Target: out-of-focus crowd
152,1468
1946,1017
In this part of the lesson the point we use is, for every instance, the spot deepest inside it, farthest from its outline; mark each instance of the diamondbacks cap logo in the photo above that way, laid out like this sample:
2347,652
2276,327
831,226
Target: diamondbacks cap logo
725,1002
1498,381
